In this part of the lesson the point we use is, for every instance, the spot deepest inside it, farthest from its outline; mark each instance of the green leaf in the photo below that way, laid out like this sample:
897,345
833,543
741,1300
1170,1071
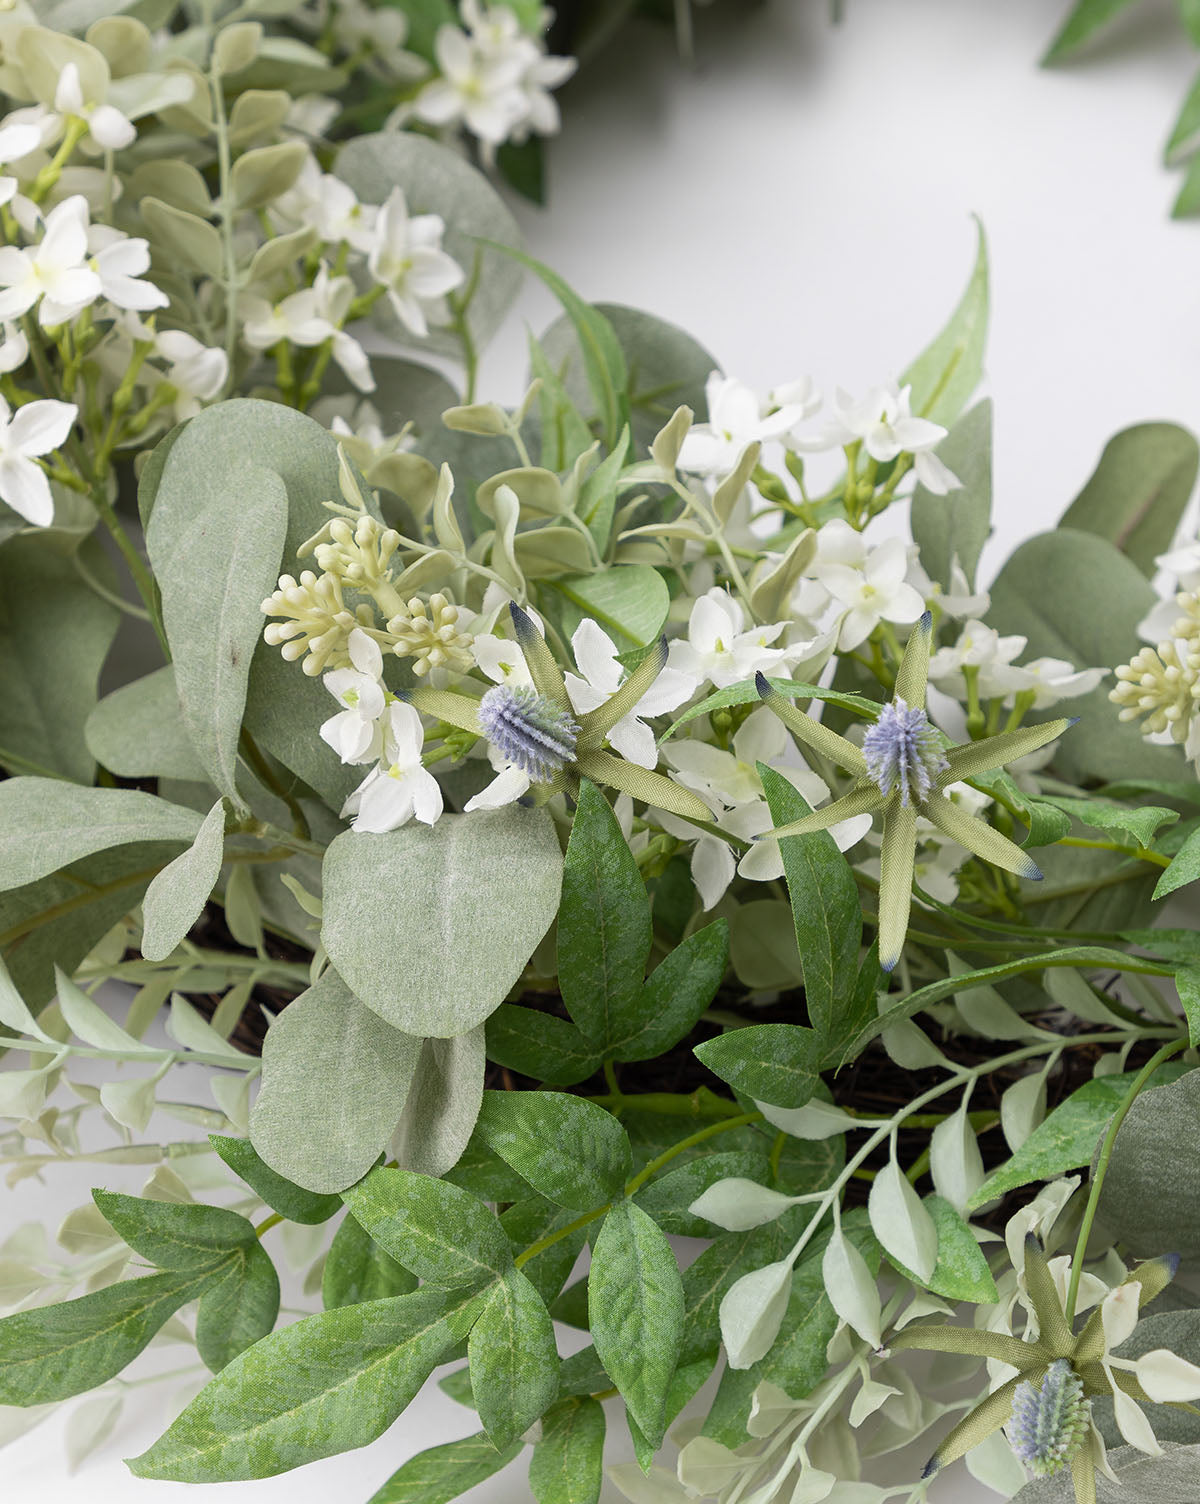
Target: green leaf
335,1080
55,634
775,1063
357,1269
456,909
630,601
514,1362
961,1272
326,1384
603,360
441,1474
956,526
439,1115
291,1201
945,374
215,558
1027,598
1189,11
46,824
1068,1137
1137,493
676,993
441,1232
567,1466
1117,819
1185,135
239,1309
53,1352
1087,17
523,164
635,1303
527,1222
1187,983
540,1045
436,179
1184,868
667,1197
746,693
172,1234
137,731
564,434
1152,1189
1170,1479
176,896
1046,823
825,907
604,929
568,1149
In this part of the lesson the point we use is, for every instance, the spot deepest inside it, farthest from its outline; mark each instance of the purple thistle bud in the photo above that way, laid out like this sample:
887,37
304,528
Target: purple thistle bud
903,750
529,730
1049,1424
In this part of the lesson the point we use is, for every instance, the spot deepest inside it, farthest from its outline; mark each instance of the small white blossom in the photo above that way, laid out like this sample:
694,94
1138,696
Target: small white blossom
884,423
981,648
355,733
120,262
33,430
1050,680
873,593
16,141
401,787
407,258
596,658
329,206
14,351
736,419
718,650
107,126
196,371
54,274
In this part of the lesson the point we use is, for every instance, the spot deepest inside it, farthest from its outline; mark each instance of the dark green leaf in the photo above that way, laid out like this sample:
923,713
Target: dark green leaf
174,1234
668,1197
1187,982
776,1063
239,1308
523,164
540,1045
514,1362
357,1269
570,1150
291,1201
567,1466
443,1234
1185,135
529,1221
1184,868
961,1272
441,1474
1116,819
677,992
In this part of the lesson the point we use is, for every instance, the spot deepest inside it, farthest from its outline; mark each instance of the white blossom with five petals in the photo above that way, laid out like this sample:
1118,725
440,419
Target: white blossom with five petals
596,658
400,787
33,430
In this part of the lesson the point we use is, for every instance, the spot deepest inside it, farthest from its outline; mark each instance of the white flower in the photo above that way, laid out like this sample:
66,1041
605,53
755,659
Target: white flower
407,258
876,592
334,296
295,319
355,733
33,430
16,141
957,602
480,85
717,648
736,418
885,424
329,206
982,648
195,371
378,29
107,126
1050,680
54,274
401,787
14,351
542,114
119,261
596,658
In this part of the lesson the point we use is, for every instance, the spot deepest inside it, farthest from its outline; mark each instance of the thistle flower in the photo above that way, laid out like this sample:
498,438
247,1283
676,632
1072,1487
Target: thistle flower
903,771
529,730
1049,1423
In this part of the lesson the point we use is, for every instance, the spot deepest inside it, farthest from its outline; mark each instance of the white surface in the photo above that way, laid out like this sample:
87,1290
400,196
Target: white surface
801,203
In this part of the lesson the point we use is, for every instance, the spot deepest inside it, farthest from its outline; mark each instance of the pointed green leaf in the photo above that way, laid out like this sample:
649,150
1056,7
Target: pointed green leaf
514,1362
175,1235
357,1269
945,374
291,1201
568,1149
238,1309
776,1063
177,895
440,1474
567,1466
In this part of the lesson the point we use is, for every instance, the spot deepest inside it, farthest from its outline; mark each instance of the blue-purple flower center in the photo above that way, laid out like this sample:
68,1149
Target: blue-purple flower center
904,751
1050,1422
529,730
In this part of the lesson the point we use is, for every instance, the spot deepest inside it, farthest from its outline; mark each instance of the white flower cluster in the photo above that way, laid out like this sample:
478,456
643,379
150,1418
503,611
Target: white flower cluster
1160,685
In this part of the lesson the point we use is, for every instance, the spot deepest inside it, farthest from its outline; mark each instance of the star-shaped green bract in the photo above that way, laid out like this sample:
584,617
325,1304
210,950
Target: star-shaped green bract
905,775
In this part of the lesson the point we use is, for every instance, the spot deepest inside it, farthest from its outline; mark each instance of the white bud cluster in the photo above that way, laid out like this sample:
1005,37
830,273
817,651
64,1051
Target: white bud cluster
318,622
1163,683
358,555
430,635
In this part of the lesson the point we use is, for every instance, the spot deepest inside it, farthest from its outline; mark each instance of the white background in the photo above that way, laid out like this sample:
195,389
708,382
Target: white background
800,201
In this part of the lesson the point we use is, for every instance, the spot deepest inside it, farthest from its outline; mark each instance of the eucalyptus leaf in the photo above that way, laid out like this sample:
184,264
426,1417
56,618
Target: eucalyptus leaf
1151,1196
953,528
177,895
136,731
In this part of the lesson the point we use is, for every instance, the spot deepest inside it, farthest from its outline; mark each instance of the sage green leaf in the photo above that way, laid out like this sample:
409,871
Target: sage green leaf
945,374
901,1223
326,1384
541,1045
291,1201
567,1466
667,1198
176,896
1116,819
137,732
666,367
1070,1135
436,179
214,563
439,1115
635,1304
1187,983
53,1352
825,907
441,1232
514,1362
954,528
55,633
441,1474
238,1309
1169,1479
604,929
568,1149
1027,598
174,1234
265,172
1138,491
1151,1197
335,1078
676,993
1087,17
630,601
775,1063
46,824
357,1269
432,925
1184,867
